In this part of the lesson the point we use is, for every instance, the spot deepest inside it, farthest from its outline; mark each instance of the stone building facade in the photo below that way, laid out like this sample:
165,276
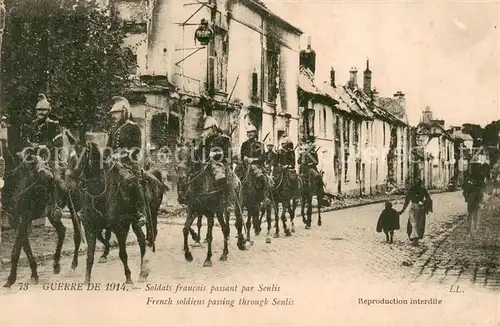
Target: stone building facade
246,72
363,140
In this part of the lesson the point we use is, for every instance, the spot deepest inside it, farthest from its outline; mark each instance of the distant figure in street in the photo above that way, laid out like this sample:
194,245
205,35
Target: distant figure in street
388,221
421,204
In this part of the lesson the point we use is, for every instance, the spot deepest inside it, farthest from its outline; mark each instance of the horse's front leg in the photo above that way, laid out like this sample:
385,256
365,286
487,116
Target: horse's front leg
239,227
225,233
121,235
77,239
55,220
309,212
21,234
269,219
90,234
210,226
303,203
31,259
141,239
292,206
286,207
277,219
250,217
185,231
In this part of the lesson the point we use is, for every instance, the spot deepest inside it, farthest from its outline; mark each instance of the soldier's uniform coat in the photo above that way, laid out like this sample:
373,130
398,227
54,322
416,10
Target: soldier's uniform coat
44,131
126,136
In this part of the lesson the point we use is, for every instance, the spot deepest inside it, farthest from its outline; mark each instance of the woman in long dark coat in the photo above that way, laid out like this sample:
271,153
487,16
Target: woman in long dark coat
421,204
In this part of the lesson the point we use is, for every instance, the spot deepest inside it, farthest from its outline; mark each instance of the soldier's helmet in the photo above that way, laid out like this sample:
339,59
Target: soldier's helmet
269,142
210,122
43,103
251,127
121,104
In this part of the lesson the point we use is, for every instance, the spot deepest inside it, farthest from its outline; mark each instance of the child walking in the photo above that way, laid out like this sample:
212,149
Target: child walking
388,221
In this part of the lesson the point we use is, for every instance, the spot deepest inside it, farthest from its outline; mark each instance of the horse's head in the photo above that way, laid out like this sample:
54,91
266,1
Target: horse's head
182,183
35,167
85,160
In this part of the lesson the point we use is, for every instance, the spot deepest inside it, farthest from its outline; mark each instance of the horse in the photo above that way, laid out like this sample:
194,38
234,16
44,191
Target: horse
29,201
312,185
252,197
285,192
109,199
196,188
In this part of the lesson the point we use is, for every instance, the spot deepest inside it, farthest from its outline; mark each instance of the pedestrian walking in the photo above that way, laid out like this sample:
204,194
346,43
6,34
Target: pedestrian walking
388,221
421,204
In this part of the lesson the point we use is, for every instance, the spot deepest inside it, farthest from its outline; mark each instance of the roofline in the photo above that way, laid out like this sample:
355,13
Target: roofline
262,9
325,96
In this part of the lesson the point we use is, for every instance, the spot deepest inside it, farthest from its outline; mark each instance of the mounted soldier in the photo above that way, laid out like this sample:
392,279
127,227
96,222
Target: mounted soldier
251,153
308,159
270,157
287,154
215,150
125,140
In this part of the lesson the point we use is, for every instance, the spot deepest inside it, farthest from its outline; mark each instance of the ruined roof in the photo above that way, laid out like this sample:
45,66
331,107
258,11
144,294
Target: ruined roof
262,8
356,104
306,82
338,95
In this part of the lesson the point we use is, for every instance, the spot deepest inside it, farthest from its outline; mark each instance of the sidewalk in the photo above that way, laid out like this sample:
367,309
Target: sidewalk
43,239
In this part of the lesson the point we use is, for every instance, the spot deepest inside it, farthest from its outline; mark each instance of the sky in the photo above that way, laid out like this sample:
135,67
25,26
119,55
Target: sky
440,54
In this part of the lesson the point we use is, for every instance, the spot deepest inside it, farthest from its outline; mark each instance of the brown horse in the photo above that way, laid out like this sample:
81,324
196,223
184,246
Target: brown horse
312,185
285,191
33,190
196,188
109,203
252,197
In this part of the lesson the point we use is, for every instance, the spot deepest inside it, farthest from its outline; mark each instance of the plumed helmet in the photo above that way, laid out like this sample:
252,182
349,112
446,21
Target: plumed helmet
210,122
251,127
42,103
121,104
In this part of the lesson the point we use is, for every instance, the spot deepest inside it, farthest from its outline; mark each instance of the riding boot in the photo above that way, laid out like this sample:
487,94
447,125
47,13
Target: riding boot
141,213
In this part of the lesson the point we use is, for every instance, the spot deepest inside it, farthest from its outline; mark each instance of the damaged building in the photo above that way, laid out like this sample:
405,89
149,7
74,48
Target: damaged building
232,59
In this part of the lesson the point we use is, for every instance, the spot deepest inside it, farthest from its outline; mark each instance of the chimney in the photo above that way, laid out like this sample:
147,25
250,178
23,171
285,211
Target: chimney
353,79
400,97
308,57
332,77
367,79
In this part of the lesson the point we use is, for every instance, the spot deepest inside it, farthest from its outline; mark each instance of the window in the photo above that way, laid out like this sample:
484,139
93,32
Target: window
217,62
383,133
325,133
272,52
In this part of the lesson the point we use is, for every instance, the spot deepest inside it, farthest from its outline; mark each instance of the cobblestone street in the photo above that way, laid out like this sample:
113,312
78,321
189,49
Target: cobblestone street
460,259
346,241
345,253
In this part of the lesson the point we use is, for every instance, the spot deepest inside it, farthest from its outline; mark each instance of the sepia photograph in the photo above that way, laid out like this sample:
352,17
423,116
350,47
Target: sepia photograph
249,162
